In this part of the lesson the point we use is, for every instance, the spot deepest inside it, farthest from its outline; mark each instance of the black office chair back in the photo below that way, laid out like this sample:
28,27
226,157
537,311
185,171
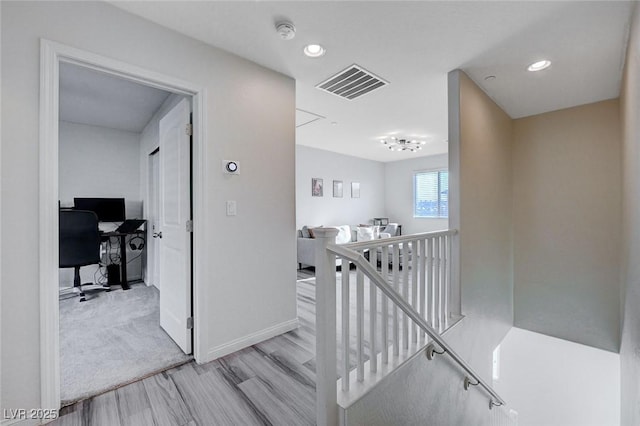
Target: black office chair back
79,238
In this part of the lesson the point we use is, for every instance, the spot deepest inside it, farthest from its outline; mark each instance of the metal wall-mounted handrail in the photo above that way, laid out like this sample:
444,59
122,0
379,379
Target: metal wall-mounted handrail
368,270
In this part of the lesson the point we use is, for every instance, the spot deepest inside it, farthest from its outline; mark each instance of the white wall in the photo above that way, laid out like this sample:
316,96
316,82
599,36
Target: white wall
567,198
399,192
630,253
554,382
251,118
99,162
330,166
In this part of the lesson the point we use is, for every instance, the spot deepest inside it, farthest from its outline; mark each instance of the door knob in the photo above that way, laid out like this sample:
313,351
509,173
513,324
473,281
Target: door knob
157,235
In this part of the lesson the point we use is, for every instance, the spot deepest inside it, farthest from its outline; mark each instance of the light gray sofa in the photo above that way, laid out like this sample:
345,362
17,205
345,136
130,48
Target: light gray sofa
306,244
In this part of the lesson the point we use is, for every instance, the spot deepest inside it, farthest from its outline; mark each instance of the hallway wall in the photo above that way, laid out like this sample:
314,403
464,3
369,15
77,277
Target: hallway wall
630,270
566,215
251,117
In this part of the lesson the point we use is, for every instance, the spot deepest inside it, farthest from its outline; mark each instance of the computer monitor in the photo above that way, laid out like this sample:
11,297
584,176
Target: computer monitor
107,209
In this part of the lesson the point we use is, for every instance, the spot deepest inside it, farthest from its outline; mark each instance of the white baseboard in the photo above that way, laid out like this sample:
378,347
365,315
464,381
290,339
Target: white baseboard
251,339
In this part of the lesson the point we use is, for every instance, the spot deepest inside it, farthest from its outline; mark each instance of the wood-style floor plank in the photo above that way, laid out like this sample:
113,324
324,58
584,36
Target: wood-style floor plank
281,344
104,410
210,400
73,418
166,403
298,396
134,406
276,411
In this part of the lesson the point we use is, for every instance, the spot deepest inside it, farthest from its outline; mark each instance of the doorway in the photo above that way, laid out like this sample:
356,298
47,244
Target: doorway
53,55
121,327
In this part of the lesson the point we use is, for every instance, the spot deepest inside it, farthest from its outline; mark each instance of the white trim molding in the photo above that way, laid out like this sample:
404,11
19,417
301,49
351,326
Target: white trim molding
51,54
251,339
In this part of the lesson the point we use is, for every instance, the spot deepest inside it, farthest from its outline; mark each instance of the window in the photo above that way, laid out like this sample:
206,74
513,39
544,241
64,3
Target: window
431,194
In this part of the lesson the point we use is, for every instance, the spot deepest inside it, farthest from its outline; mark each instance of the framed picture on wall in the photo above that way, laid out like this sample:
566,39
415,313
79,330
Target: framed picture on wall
355,189
337,188
316,187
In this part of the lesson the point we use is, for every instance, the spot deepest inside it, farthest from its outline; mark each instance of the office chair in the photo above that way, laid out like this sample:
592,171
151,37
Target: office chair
79,244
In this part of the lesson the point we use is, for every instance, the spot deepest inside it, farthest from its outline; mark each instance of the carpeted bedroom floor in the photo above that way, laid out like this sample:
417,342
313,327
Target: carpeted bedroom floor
112,339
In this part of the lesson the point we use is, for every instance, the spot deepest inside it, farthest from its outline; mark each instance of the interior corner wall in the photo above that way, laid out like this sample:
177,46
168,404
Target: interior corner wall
480,158
399,193
96,161
567,202
250,118
484,179
630,268
329,210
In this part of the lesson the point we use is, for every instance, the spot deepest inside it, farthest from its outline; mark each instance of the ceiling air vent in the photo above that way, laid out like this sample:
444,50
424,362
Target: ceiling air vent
352,83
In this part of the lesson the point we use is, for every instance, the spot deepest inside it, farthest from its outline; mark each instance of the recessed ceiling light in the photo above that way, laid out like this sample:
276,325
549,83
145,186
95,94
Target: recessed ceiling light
314,50
539,66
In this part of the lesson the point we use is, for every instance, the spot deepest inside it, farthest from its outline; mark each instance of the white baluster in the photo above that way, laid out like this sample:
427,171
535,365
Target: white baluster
447,287
384,262
431,303
396,286
436,284
414,285
346,345
405,294
373,313
360,323
423,279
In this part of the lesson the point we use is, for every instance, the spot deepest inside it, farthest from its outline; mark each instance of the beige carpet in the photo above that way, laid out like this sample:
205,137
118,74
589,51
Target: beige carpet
111,339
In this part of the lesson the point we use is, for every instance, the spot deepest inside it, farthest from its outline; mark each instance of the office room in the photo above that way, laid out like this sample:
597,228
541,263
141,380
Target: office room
109,163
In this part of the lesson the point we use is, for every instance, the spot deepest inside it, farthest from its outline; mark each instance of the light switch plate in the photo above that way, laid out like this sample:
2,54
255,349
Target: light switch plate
231,208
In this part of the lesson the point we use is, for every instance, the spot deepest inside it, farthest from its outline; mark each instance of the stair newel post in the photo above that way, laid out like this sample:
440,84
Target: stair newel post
326,347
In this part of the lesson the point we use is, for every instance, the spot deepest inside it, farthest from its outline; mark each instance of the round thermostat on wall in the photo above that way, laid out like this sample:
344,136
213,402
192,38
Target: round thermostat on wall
231,167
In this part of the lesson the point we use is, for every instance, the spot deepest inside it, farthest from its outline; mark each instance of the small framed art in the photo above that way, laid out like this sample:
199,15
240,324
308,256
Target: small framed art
355,189
337,189
316,187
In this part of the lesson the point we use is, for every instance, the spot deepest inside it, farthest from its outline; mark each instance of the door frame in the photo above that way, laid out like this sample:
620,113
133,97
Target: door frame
51,55
152,181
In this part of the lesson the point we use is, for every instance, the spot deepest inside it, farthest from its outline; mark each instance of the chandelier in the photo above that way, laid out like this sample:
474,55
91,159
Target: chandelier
401,144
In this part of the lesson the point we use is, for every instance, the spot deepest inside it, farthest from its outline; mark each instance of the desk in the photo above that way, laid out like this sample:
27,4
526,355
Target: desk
123,253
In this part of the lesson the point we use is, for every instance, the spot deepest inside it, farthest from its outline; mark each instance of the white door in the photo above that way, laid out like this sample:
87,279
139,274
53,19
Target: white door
175,213
153,224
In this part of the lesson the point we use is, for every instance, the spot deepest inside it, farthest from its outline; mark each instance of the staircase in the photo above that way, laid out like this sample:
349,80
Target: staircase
396,299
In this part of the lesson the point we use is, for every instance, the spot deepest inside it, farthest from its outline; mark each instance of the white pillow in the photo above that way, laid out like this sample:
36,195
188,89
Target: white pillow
376,232
344,234
365,233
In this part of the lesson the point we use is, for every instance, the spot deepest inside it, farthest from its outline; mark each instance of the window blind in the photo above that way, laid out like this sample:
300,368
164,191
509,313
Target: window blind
431,194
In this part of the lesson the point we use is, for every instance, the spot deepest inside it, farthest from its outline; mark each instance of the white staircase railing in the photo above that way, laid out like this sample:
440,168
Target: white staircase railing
397,310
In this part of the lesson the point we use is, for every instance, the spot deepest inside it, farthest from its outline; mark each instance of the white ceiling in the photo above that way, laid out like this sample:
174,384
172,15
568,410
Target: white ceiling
413,45
99,99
